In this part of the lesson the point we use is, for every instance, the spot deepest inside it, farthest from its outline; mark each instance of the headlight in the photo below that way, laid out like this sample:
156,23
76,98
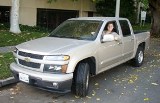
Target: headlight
15,50
55,68
58,58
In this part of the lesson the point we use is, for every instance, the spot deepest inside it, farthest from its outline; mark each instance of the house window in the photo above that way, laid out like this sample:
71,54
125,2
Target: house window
4,14
51,18
90,14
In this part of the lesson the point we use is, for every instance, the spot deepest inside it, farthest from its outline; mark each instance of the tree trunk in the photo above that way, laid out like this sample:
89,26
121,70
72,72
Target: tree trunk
14,19
155,10
138,11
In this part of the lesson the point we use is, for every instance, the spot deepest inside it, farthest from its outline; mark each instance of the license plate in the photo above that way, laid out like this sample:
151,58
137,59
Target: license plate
24,77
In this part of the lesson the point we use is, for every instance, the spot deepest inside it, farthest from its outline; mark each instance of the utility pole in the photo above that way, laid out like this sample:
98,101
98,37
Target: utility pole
117,8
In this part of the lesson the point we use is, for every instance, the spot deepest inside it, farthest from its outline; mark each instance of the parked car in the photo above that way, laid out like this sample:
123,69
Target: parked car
74,51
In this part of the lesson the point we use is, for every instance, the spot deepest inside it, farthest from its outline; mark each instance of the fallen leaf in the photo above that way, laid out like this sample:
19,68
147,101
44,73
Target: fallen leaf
76,96
11,89
72,100
146,99
1,56
13,93
94,93
98,99
54,101
130,81
154,84
88,97
96,84
145,94
11,97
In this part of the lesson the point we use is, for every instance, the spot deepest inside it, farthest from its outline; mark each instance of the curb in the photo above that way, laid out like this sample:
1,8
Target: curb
7,81
6,49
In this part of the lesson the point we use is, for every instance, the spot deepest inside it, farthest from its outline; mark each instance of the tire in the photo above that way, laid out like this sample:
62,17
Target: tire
80,84
139,58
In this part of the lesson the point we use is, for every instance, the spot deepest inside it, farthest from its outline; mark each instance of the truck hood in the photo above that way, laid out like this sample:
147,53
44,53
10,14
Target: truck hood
50,45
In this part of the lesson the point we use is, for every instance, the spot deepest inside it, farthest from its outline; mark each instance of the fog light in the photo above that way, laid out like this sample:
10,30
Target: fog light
55,85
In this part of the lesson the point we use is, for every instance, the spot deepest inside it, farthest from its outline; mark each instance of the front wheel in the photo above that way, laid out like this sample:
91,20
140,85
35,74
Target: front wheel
138,60
81,79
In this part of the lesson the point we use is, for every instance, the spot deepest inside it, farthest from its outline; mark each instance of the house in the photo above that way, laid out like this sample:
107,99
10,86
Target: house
50,15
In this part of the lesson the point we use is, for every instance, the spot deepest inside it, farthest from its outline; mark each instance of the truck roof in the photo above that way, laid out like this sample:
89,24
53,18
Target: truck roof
97,18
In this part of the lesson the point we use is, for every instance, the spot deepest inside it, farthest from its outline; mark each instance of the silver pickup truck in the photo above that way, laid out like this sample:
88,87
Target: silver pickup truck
76,50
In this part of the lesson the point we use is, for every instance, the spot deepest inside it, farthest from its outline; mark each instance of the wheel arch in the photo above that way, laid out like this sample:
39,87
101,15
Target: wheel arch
92,64
143,45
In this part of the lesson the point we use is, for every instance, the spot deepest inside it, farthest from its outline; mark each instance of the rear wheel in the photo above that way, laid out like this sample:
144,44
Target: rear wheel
138,60
81,79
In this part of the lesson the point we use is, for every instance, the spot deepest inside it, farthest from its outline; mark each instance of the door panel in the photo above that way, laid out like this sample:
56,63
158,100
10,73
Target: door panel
128,39
128,49
109,53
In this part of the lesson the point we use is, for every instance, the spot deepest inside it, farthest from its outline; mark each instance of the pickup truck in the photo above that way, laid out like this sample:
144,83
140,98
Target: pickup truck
76,50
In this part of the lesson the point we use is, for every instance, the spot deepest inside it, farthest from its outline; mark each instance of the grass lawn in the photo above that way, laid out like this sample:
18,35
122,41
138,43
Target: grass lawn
5,60
141,28
10,39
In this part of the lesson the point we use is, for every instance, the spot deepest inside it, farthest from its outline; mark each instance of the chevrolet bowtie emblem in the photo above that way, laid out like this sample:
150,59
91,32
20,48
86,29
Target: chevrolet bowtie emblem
27,59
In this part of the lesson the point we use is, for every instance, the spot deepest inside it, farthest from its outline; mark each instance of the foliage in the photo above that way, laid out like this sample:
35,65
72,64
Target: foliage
107,8
5,60
50,1
4,26
34,28
146,4
146,27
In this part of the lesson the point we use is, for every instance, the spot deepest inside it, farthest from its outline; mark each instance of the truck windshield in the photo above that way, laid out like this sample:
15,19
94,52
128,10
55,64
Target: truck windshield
78,29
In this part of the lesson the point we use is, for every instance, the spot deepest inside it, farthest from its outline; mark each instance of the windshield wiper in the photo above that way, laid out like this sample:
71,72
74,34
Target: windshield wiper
56,36
71,37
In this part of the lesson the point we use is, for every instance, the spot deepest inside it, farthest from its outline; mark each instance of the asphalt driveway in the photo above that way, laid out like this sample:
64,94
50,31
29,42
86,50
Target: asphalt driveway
122,84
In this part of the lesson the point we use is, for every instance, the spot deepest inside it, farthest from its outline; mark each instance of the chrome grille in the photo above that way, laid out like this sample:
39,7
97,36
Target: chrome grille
29,64
35,56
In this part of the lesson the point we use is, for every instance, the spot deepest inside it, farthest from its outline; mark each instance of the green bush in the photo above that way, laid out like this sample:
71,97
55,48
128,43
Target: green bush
34,28
6,26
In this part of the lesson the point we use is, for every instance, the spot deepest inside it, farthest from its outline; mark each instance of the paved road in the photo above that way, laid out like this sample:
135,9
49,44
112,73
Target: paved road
122,84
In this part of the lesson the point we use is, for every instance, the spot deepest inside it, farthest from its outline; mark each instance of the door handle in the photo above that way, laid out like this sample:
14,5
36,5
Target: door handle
132,38
119,43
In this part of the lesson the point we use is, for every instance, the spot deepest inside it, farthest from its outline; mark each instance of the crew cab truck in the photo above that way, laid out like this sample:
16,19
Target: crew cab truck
74,51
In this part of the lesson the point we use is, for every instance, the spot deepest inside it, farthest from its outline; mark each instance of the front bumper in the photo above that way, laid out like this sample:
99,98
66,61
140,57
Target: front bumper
52,82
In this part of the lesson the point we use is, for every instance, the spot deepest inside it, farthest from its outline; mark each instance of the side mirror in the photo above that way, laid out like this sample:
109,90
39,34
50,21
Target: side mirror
108,38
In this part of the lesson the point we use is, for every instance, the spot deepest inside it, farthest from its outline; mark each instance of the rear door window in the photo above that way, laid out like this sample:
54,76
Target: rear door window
125,28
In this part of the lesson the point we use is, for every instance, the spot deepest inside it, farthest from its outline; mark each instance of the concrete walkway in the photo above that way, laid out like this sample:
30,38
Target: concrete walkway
6,49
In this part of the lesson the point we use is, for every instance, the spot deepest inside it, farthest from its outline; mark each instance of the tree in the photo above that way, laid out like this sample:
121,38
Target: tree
14,19
107,8
155,11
